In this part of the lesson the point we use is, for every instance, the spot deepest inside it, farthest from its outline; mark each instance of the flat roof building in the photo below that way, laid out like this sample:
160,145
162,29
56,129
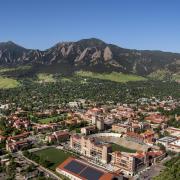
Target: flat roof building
175,146
121,128
166,140
90,147
88,130
127,163
79,170
174,131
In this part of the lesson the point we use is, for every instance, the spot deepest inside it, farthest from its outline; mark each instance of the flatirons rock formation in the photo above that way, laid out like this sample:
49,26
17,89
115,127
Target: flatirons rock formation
91,54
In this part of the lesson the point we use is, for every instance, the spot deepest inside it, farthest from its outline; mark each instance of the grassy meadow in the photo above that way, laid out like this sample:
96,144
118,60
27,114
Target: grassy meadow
6,83
50,119
5,69
114,76
45,78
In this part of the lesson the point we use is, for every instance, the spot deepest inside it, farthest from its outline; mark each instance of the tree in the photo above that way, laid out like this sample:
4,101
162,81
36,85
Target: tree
161,146
166,133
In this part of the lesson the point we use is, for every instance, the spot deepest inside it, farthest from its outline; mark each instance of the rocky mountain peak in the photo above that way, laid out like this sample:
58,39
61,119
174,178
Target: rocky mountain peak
92,42
10,45
91,53
107,54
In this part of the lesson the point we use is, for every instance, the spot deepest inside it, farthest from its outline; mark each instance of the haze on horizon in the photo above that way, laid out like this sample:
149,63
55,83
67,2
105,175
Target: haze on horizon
138,24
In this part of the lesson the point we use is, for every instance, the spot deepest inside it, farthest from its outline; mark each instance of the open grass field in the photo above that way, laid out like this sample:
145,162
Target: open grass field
176,77
4,69
55,156
114,76
46,120
6,83
45,78
49,119
116,147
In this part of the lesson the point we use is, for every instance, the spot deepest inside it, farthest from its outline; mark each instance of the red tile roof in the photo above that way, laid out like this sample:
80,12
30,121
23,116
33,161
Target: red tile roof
19,136
133,134
154,153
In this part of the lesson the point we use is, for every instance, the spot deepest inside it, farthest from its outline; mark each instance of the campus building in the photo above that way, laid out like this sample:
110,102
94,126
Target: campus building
166,140
146,137
132,163
88,130
126,162
175,132
174,146
171,143
76,169
19,145
89,147
121,128
58,137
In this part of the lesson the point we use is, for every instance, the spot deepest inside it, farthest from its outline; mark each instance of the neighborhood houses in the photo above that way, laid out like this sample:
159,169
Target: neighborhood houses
111,141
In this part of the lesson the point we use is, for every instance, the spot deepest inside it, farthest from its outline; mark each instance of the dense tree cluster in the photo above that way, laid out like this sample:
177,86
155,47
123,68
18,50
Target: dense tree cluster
32,95
172,116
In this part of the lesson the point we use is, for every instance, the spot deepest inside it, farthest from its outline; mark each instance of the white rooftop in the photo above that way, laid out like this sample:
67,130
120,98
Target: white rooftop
176,143
167,139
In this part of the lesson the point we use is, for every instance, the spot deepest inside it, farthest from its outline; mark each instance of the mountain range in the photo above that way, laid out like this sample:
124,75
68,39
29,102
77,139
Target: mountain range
90,54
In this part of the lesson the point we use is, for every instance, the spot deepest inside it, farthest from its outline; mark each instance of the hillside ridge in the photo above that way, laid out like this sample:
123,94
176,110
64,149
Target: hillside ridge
91,54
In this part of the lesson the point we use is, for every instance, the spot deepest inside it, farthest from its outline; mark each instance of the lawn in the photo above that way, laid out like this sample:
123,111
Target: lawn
50,119
6,83
114,76
46,120
116,147
46,78
55,156
5,69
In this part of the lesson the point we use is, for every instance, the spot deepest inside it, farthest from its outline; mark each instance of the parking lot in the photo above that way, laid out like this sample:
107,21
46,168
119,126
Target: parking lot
150,172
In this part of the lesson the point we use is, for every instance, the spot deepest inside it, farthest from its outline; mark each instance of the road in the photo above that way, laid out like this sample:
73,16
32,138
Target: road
41,148
152,171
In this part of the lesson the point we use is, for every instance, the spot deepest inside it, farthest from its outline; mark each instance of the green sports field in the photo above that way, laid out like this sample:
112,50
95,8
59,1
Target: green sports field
55,156
116,147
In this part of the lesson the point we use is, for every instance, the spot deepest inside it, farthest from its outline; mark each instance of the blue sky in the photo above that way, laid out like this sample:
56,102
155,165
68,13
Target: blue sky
137,24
